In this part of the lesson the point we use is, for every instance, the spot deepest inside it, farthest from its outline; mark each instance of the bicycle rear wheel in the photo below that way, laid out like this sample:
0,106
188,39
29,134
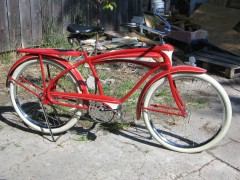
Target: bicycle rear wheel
31,109
208,110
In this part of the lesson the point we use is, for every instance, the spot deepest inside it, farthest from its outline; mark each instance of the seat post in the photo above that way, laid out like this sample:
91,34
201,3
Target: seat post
96,43
80,44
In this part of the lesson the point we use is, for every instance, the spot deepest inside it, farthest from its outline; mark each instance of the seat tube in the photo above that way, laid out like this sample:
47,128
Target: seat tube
175,94
96,77
42,71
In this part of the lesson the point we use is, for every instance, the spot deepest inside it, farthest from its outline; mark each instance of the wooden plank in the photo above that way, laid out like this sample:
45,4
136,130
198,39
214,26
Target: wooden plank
66,13
122,14
46,16
57,16
214,61
224,55
217,58
36,22
131,9
90,11
218,62
230,71
14,24
219,22
233,4
4,34
219,2
25,21
84,12
146,5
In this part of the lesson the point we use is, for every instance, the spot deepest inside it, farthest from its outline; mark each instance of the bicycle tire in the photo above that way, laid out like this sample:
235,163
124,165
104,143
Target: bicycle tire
30,108
208,107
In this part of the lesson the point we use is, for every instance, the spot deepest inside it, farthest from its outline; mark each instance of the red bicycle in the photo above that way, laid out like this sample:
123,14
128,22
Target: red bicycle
183,108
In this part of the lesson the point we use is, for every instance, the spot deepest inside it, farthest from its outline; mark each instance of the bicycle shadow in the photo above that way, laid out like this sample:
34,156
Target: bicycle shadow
136,132
9,117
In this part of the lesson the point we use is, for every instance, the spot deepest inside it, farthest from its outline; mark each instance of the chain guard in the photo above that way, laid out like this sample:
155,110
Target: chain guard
102,112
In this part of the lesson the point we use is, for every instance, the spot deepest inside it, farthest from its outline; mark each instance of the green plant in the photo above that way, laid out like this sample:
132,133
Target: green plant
55,41
101,5
5,57
109,4
116,126
82,138
17,145
85,137
2,148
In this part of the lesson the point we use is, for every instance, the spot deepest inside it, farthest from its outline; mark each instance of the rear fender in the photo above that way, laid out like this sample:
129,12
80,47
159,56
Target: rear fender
173,70
57,59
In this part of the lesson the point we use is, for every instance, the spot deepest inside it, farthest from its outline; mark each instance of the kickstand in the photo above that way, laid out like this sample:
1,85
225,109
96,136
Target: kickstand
48,124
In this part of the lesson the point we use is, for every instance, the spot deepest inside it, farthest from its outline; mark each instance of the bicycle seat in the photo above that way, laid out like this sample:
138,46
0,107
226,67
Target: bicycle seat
78,29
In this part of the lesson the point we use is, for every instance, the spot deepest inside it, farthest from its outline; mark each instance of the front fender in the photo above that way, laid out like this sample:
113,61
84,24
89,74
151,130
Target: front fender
173,70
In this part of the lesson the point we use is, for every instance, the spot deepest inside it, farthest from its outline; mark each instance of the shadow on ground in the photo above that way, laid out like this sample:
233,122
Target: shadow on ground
136,132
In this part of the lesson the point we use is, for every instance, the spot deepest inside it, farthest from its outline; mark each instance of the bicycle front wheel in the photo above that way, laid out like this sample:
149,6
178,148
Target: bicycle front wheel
208,111
30,107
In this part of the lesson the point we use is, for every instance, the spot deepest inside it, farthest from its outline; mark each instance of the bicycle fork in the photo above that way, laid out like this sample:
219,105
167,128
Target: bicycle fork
176,96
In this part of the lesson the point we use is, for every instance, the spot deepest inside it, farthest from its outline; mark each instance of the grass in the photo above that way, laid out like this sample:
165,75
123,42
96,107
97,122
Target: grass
8,57
197,103
116,126
84,137
5,57
2,148
55,41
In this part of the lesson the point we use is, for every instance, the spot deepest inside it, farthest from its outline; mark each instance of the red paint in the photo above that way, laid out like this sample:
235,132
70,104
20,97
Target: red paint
136,55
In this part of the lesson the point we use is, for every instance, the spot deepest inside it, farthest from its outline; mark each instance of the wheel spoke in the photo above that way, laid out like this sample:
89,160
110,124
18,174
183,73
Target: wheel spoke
28,106
205,108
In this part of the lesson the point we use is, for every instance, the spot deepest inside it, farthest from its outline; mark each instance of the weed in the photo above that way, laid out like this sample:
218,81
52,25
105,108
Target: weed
55,41
115,126
2,148
85,137
197,103
17,145
146,151
6,57
82,138
1,127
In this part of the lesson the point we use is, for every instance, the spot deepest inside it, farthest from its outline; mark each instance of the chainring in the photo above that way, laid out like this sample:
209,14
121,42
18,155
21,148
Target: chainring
100,112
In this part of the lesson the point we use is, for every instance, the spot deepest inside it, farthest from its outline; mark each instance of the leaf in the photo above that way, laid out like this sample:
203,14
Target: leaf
114,4
109,5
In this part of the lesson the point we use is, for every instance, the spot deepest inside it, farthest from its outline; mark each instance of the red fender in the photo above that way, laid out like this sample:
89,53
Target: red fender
173,70
55,58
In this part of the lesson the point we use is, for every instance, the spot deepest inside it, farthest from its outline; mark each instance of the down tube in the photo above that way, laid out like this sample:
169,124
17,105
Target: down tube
139,83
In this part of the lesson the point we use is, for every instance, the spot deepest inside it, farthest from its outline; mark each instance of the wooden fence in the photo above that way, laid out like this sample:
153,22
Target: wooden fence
25,22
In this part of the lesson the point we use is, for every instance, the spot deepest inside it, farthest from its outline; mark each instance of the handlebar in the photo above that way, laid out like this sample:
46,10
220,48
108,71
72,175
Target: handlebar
167,29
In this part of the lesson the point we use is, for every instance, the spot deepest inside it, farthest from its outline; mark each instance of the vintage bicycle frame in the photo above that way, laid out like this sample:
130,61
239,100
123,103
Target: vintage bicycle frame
156,58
